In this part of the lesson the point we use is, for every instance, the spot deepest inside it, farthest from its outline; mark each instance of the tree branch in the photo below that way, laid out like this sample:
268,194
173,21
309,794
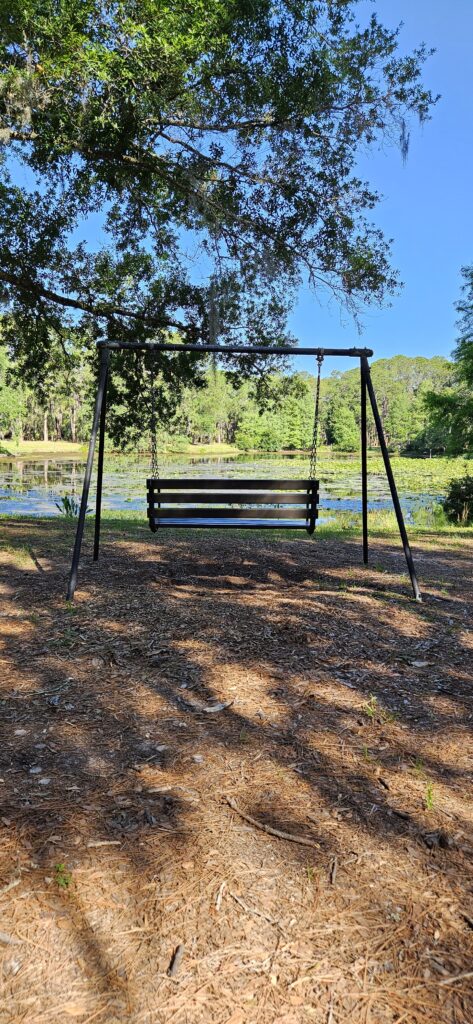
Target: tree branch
237,169
107,311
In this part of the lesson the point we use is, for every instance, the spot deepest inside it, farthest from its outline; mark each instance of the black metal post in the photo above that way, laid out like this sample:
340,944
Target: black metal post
98,494
364,465
391,480
104,360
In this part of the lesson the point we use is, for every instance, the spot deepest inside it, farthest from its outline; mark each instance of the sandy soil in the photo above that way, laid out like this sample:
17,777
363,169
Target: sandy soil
202,681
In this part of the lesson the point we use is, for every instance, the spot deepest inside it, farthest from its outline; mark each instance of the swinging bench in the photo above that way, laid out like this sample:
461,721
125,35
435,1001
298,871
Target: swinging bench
238,503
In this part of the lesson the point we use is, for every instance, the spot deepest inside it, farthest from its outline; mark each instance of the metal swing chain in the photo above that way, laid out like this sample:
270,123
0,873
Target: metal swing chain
153,425
315,434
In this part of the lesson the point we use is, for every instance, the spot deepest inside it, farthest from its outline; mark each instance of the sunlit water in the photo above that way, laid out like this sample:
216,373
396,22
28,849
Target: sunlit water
33,486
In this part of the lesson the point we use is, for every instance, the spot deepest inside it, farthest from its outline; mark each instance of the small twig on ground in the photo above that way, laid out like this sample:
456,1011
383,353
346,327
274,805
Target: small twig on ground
457,977
218,901
34,694
11,885
333,870
93,843
176,960
251,910
271,831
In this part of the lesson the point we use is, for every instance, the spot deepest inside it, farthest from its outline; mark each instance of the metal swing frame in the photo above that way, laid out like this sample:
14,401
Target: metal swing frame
366,391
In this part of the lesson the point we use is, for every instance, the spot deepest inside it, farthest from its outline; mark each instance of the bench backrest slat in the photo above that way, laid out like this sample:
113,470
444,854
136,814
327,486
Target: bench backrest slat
220,484
237,498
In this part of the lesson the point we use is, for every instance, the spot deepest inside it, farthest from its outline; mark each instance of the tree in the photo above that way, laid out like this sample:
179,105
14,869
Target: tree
401,384
296,413
397,422
205,413
249,430
344,432
222,128
451,411
12,401
294,424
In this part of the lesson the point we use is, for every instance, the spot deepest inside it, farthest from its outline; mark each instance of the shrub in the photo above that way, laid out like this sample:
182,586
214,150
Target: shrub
458,504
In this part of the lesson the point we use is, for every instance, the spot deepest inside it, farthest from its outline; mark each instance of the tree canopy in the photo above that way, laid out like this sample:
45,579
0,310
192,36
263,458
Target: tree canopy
185,165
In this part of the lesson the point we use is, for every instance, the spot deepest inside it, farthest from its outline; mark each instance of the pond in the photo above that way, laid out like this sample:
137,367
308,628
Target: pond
32,486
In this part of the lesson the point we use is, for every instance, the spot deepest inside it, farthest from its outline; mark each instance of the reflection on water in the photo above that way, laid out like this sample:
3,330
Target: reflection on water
33,486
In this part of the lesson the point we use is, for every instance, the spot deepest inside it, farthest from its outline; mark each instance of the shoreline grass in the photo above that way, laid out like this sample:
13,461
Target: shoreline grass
10,449
41,449
382,525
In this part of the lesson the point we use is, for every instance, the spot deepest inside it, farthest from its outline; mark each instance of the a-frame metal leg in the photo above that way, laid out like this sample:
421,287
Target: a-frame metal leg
392,484
103,372
98,493
364,465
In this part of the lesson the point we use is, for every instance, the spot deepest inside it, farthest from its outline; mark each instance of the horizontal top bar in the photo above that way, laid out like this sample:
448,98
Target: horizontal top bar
279,350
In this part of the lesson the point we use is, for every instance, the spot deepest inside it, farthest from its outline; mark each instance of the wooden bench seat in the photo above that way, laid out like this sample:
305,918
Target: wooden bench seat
239,504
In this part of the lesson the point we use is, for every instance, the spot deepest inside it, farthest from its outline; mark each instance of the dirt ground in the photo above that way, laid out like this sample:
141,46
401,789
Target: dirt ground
198,682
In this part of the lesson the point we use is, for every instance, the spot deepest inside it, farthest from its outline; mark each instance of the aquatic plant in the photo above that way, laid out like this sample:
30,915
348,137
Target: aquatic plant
69,506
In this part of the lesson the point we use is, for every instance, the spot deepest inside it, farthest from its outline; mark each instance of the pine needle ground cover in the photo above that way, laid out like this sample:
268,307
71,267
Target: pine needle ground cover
235,781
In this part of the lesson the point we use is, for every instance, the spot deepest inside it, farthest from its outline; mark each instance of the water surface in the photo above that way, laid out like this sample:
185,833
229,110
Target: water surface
32,486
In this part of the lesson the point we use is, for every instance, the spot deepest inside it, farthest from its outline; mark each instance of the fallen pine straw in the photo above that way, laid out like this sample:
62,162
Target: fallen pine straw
251,910
372,926
269,830
9,940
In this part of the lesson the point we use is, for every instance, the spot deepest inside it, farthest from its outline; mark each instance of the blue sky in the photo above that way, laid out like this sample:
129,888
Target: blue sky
427,206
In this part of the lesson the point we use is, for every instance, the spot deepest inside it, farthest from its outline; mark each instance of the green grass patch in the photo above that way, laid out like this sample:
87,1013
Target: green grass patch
18,551
133,524
58,449
41,449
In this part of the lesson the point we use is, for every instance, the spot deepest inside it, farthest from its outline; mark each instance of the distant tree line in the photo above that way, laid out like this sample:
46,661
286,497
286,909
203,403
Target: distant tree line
402,385
412,393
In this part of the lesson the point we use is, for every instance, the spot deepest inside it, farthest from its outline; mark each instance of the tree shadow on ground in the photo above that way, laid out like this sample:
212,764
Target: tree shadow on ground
348,708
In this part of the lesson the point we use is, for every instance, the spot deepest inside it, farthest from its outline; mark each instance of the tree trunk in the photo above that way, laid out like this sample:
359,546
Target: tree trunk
45,426
73,419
